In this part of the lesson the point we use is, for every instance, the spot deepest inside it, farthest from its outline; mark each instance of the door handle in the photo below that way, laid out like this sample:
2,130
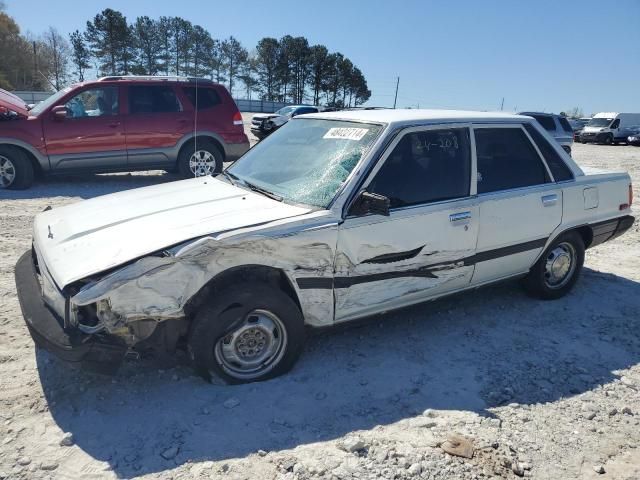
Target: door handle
459,217
182,120
549,200
114,125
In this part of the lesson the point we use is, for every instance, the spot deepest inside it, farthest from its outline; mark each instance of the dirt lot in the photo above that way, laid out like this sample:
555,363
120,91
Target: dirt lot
547,390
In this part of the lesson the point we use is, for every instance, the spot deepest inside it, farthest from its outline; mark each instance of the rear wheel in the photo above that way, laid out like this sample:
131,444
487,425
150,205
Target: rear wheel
248,333
198,159
557,270
16,170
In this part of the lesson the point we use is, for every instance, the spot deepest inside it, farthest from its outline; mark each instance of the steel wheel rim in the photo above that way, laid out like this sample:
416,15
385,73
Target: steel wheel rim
560,265
7,172
254,347
202,163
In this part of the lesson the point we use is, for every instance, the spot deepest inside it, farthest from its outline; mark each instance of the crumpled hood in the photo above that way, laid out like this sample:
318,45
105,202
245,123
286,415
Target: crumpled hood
95,235
264,116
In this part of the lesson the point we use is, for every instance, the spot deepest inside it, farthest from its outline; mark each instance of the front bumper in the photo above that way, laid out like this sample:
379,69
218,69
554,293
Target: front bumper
91,352
593,137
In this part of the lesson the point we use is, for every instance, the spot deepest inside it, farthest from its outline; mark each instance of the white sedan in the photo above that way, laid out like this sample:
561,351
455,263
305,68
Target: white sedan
334,217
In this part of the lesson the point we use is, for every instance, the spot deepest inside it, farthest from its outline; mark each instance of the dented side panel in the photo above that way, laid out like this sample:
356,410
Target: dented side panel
415,253
158,288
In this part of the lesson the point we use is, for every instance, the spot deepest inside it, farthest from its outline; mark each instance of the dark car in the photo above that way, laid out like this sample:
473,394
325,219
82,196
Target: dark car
264,124
119,124
634,137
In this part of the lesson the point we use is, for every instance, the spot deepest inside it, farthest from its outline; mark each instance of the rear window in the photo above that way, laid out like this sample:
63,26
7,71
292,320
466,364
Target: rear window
546,121
153,99
205,97
557,166
506,160
566,126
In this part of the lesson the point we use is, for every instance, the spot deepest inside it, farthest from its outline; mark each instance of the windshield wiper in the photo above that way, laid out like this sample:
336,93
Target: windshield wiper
264,192
230,177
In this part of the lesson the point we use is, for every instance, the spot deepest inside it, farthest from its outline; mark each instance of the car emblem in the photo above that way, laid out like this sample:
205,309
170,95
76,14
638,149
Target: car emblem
50,234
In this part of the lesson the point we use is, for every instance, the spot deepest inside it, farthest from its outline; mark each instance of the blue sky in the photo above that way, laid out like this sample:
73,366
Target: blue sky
539,55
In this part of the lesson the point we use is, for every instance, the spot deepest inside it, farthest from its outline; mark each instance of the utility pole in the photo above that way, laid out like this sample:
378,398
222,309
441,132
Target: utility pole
502,104
35,66
396,99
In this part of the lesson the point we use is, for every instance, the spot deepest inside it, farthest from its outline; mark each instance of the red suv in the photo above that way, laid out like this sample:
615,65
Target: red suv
117,124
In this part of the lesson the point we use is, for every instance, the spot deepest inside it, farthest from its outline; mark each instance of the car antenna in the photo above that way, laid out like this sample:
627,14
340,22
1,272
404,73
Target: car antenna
195,128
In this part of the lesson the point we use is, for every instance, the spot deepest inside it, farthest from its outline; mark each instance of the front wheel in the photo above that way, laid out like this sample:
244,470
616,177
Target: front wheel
199,159
16,171
247,333
557,270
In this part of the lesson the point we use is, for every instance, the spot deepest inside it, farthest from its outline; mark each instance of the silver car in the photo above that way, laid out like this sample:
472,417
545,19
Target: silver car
557,126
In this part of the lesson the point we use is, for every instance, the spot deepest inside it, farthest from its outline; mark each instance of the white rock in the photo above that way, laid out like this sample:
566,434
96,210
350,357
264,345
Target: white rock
48,465
23,461
170,453
66,440
231,403
352,445
415,469
598,469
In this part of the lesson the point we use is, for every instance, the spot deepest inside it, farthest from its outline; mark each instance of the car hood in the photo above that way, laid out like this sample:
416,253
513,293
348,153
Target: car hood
95,235
264,116
592,129
12,103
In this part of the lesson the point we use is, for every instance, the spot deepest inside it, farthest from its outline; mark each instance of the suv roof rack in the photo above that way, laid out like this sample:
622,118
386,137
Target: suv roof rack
160,78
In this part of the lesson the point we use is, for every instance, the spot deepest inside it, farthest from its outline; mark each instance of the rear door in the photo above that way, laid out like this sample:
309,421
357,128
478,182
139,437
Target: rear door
419,250
155,122
519,203
91,137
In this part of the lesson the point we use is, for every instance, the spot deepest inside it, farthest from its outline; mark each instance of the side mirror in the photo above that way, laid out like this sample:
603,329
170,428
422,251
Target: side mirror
59,112
368,202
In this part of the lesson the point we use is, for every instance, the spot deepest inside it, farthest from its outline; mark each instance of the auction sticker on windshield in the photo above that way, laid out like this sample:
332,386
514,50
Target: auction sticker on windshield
346,133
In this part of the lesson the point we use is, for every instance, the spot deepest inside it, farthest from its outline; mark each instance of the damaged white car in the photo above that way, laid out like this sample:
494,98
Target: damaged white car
334,217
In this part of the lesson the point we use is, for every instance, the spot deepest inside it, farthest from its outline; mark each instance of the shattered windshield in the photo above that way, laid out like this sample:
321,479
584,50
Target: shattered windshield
307,160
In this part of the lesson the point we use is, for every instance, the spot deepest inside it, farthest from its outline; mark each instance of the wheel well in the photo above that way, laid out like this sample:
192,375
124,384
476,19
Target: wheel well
203,138
587,235
37,168
236,275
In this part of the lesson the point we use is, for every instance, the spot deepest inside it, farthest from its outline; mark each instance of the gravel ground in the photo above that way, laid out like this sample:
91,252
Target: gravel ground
547,390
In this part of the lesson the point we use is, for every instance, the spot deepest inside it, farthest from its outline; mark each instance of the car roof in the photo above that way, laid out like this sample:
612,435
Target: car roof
417,116
541,114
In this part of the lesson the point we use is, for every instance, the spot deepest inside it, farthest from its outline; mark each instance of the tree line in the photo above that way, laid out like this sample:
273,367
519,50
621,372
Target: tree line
288,69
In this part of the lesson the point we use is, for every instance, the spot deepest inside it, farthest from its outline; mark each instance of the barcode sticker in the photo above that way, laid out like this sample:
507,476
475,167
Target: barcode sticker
346,133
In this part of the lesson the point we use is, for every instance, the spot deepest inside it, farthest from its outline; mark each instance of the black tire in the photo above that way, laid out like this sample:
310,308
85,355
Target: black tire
202,145
537,282
17,163
227,313
608,140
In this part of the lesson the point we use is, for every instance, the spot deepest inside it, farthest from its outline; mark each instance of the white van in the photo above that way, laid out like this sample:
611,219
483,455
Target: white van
609,127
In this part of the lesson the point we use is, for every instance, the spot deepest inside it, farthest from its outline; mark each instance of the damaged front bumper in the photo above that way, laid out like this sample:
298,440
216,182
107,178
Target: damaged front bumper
97,353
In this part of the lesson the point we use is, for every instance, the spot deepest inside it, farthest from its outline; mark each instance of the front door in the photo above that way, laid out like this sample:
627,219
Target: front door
419,250
519,204
91,137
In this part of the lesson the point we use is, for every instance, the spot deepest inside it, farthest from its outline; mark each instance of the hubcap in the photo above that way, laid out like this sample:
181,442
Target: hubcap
254,347
7,172
560,265
202,163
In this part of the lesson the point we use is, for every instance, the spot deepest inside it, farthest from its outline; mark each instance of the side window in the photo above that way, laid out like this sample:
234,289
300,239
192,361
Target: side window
426,167
303,110
153,99
95,102
207,97
558,168
507,159
615,124
546,121
566,126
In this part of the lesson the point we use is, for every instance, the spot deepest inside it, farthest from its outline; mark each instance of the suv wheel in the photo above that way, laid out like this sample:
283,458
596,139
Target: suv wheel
247,333
16,171
557,270
199,159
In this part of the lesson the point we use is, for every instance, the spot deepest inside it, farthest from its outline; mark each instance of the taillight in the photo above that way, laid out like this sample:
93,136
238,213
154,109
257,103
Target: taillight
237,119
